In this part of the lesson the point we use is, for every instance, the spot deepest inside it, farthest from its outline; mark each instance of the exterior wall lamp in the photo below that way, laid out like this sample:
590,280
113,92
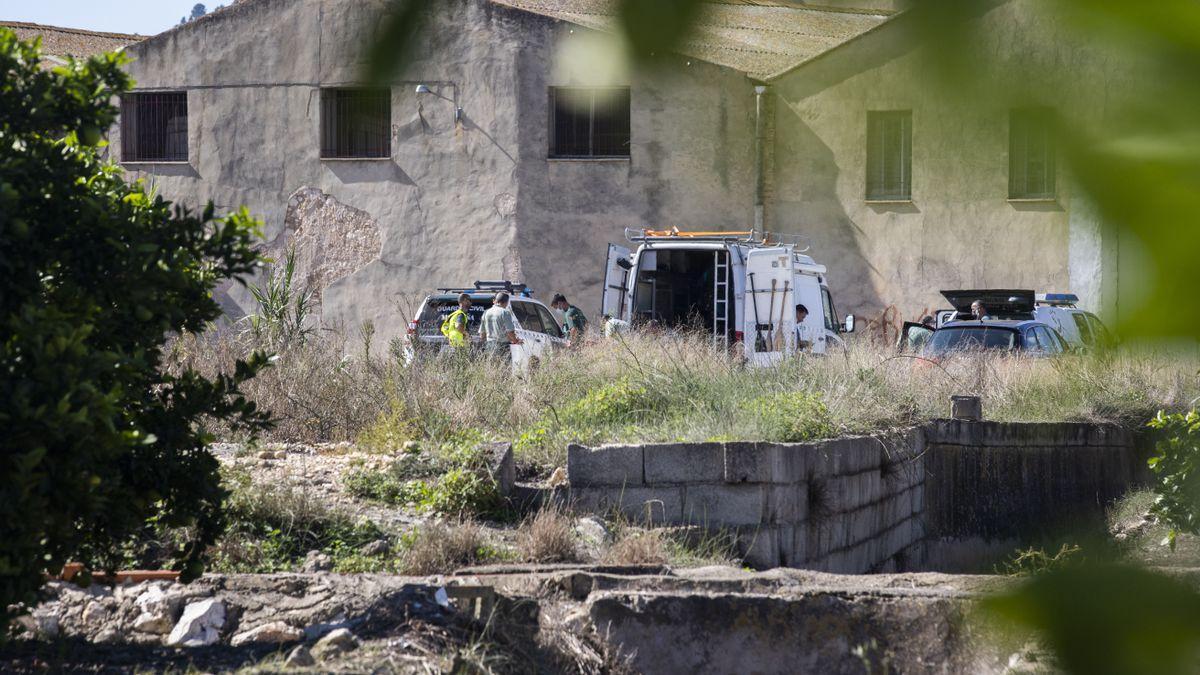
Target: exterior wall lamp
423,88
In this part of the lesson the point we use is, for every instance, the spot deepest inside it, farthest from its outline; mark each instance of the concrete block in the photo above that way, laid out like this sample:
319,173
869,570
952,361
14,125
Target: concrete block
1107,435
673,463
903,474
851,560
607,465
657,505
786,504
785,538
827,535
759,546
847,493
853,455
864,524
724,504
953,432
794,549
749,462
500,466
918,498
902,445
1033,434
903,537
894,509
835,562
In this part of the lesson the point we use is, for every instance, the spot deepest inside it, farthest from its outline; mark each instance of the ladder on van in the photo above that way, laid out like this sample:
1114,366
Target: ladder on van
721,298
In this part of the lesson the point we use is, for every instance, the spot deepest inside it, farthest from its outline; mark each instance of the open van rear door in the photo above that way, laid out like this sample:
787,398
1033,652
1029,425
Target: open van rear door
767,324
616,283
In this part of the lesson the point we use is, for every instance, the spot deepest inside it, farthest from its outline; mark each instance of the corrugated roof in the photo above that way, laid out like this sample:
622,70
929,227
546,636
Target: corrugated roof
758,37
58,41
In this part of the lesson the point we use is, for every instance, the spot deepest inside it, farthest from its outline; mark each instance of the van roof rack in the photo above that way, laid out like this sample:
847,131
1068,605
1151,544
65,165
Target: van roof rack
751,237
493,286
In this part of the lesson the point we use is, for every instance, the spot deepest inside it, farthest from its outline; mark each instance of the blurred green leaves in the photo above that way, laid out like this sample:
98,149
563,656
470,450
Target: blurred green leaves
649,26
1129,138
656,26
399,27
1108,619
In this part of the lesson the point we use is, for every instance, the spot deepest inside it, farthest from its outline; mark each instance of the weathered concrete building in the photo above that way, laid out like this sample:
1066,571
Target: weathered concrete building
908,184
512,147
473,179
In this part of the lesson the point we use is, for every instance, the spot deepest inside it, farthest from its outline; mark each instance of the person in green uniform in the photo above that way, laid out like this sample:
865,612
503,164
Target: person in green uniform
498,328
574,320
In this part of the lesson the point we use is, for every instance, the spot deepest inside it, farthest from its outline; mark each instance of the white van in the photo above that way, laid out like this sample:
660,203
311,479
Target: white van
742,287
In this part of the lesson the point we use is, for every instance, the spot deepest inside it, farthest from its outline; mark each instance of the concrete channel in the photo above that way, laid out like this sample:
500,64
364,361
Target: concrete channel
945,496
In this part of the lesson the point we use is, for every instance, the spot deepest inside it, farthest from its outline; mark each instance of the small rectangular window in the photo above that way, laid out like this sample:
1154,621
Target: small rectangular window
889,155
356,123
154,127
1031,154
589,122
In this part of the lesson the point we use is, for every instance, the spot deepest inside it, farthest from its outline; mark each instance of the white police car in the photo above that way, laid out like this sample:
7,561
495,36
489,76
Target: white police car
1081,329
537,326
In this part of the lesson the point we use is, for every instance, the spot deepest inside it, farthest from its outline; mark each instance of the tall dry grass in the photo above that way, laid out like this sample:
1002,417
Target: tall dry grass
676,387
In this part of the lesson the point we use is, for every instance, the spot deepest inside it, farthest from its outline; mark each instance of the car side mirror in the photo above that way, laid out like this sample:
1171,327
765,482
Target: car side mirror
848,327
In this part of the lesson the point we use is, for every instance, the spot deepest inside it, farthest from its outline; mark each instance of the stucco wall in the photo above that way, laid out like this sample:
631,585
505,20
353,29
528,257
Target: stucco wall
691,165
455,202
960,230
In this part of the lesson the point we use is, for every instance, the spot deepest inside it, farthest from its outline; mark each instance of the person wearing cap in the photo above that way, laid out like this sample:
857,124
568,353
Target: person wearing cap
498,328
574,320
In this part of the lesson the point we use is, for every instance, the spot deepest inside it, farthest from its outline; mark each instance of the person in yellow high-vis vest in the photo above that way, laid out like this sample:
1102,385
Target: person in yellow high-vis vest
455,325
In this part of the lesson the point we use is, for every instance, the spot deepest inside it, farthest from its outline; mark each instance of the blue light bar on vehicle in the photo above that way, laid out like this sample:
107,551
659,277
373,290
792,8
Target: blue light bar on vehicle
1057,298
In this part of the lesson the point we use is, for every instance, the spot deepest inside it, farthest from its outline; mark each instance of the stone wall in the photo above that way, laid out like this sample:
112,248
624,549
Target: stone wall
848,505
930,496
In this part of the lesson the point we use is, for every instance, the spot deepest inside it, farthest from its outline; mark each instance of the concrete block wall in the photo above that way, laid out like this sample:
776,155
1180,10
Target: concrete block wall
898,501
1007,481
848,505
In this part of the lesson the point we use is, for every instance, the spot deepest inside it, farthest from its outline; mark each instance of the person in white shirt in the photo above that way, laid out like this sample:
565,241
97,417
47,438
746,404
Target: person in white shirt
803,339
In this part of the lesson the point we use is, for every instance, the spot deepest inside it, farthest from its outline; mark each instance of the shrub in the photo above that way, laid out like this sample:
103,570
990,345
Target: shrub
272,527
443,547
464,491
548,536
639,547
792,416
385,486
95,274
1176,467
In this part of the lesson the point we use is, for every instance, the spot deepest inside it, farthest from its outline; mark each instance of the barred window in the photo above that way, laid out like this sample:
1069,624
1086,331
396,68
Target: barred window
356,123
154,127
889,155
589,122
1031,150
